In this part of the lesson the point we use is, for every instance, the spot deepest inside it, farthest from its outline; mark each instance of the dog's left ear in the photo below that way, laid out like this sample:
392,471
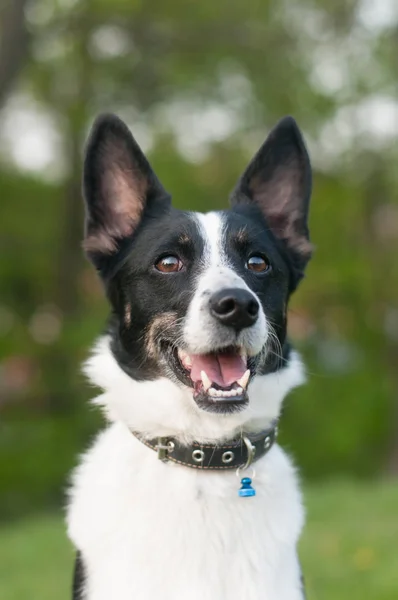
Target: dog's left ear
278,182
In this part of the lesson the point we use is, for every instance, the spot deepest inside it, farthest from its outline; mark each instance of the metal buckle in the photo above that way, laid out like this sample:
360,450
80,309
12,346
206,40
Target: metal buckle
251,451
163,447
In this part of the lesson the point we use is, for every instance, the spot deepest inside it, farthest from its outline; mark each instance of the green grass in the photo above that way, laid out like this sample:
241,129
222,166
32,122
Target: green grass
350,546
349,549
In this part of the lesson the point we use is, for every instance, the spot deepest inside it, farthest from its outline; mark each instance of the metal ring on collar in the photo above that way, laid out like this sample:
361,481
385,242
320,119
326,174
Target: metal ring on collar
239,469
251,451
228,457
198,456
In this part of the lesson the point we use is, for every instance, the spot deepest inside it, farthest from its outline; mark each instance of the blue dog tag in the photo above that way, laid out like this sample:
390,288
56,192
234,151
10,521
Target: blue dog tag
246,488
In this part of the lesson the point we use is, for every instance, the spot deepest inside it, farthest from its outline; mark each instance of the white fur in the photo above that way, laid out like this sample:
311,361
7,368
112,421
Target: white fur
149,530
202,332
162,407
153,531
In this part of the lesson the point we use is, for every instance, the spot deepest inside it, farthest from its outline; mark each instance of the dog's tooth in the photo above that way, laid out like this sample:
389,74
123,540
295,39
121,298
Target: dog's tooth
212,391
244,380
185,358
239,391
205,380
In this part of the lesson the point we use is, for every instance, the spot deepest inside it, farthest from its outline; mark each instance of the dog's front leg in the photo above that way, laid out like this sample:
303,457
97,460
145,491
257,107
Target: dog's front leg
303,586
78,578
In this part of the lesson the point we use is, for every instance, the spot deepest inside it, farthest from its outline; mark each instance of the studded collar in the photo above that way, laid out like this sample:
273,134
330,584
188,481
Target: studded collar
239,452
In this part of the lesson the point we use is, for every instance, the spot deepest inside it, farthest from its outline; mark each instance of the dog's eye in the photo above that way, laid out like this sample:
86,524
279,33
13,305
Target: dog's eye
169,264
257,263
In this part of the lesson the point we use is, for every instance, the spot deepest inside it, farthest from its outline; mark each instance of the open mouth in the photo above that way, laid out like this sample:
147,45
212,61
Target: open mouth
219,379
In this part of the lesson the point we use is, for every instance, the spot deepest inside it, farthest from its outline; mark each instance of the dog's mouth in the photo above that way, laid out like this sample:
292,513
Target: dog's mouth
219,379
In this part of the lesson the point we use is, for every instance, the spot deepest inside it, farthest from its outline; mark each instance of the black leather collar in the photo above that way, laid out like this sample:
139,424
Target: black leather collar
238,452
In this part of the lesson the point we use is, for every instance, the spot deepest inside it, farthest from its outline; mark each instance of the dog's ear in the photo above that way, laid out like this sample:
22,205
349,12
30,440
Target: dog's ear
118,185
278,182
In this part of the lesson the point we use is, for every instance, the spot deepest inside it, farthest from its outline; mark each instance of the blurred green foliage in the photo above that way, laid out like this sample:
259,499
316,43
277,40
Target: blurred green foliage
200,84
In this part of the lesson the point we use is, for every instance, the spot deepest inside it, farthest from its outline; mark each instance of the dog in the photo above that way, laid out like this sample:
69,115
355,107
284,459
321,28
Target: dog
186,495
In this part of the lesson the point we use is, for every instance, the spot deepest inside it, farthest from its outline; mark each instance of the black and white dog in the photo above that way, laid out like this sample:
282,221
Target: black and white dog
194,367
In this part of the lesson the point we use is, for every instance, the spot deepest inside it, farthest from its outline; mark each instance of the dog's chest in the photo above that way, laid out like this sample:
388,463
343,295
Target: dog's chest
149,530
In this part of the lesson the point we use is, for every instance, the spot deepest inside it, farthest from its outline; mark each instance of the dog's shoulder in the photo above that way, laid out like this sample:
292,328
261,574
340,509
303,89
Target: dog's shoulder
94,480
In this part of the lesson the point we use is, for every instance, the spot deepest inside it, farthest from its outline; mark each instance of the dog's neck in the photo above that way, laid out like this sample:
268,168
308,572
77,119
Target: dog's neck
163,408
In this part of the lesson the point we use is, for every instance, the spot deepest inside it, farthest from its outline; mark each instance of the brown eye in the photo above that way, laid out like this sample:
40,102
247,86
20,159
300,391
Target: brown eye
258,264
169,264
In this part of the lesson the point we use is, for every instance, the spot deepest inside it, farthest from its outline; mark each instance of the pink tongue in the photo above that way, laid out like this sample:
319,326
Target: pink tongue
223,369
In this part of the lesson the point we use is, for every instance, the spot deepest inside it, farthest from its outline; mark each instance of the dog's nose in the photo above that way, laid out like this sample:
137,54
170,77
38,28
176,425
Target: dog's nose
235,308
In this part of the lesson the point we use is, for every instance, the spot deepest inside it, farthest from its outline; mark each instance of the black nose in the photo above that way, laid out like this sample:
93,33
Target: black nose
235,307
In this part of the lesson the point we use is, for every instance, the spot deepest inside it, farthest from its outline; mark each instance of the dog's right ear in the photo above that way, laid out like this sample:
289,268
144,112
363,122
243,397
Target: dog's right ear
118,186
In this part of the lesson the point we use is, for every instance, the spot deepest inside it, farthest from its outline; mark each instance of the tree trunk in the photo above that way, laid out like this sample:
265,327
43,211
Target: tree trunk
70,258
14,41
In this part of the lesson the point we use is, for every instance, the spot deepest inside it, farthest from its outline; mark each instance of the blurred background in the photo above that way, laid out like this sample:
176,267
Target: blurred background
200,84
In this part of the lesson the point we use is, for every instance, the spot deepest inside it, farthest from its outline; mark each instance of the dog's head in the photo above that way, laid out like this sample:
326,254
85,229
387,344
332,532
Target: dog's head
198,299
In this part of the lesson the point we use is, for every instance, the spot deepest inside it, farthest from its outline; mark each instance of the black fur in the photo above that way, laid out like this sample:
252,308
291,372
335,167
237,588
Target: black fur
149,292
130,224
78,579
119,186
278,182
